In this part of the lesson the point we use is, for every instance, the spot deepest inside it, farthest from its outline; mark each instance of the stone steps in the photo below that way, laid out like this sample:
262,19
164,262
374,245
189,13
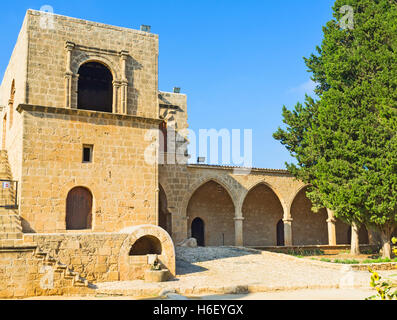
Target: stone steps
63,270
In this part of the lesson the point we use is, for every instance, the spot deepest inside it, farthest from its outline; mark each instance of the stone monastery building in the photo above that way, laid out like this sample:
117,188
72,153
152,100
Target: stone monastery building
78,196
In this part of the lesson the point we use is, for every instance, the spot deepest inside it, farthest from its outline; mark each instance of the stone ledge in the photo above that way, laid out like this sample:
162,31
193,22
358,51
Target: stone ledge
85,113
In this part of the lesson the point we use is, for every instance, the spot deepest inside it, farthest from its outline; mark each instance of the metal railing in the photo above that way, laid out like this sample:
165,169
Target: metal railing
8,194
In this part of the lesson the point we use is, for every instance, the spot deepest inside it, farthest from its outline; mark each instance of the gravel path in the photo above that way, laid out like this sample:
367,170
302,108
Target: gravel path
236,270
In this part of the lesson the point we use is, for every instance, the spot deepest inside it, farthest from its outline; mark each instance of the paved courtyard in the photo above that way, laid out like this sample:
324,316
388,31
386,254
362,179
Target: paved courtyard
228,270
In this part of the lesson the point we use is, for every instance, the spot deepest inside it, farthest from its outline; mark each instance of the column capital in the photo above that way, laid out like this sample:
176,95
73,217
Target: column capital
69,46
124,54
116,83
238,218
288,220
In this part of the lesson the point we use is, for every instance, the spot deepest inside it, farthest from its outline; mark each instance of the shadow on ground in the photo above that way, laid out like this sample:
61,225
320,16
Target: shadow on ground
183,268
203,254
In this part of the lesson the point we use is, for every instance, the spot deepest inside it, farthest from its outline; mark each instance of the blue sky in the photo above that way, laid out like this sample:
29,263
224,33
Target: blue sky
239,62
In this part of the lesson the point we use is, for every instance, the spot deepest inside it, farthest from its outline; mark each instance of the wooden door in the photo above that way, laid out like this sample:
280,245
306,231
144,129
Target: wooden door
79,209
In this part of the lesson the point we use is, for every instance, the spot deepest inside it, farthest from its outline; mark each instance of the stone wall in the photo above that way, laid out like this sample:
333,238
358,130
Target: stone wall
122,183
15,73
173,110
23,274
102,257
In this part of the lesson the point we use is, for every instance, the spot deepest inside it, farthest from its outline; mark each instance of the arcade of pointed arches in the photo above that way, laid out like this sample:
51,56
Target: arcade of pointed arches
257,217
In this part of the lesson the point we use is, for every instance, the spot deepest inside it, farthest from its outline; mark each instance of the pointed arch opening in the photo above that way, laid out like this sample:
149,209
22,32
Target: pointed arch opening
212,203
262,211
95,87
308,227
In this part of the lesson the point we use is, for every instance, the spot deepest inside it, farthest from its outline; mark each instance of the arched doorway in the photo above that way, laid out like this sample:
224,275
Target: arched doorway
198,231
262,210
95,88
213,204
79,209
280,234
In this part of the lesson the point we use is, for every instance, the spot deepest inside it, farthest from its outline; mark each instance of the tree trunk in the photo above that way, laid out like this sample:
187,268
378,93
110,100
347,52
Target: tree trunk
355,241
386,245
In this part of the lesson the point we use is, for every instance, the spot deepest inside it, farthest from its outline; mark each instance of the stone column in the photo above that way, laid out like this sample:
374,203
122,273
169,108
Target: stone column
74,91
68,74
238,231
331,228
124,90
115,105
124,81
331,232
288,232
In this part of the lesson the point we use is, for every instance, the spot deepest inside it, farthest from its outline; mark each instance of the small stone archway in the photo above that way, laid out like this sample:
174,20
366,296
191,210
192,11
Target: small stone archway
141,241
146,245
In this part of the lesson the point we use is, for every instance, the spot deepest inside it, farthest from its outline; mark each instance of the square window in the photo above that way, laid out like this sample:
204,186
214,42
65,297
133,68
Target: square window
87,153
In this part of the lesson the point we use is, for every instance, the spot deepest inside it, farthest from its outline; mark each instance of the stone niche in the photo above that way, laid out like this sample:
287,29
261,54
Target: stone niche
141,244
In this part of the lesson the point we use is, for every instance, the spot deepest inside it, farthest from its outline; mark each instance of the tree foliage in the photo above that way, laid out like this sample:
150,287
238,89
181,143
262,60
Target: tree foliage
345,140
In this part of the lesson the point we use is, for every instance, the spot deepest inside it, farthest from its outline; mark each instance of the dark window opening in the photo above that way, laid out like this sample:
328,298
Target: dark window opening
198,231
95,89
87,153
146,245
280,233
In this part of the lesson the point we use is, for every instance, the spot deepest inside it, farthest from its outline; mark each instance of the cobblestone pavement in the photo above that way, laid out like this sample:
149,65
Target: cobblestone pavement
225,270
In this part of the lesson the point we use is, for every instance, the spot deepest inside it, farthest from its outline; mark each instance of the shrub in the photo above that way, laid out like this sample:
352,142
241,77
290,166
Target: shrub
386,289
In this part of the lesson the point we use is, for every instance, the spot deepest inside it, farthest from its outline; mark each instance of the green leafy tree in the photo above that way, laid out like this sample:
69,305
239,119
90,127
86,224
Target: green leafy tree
344,140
